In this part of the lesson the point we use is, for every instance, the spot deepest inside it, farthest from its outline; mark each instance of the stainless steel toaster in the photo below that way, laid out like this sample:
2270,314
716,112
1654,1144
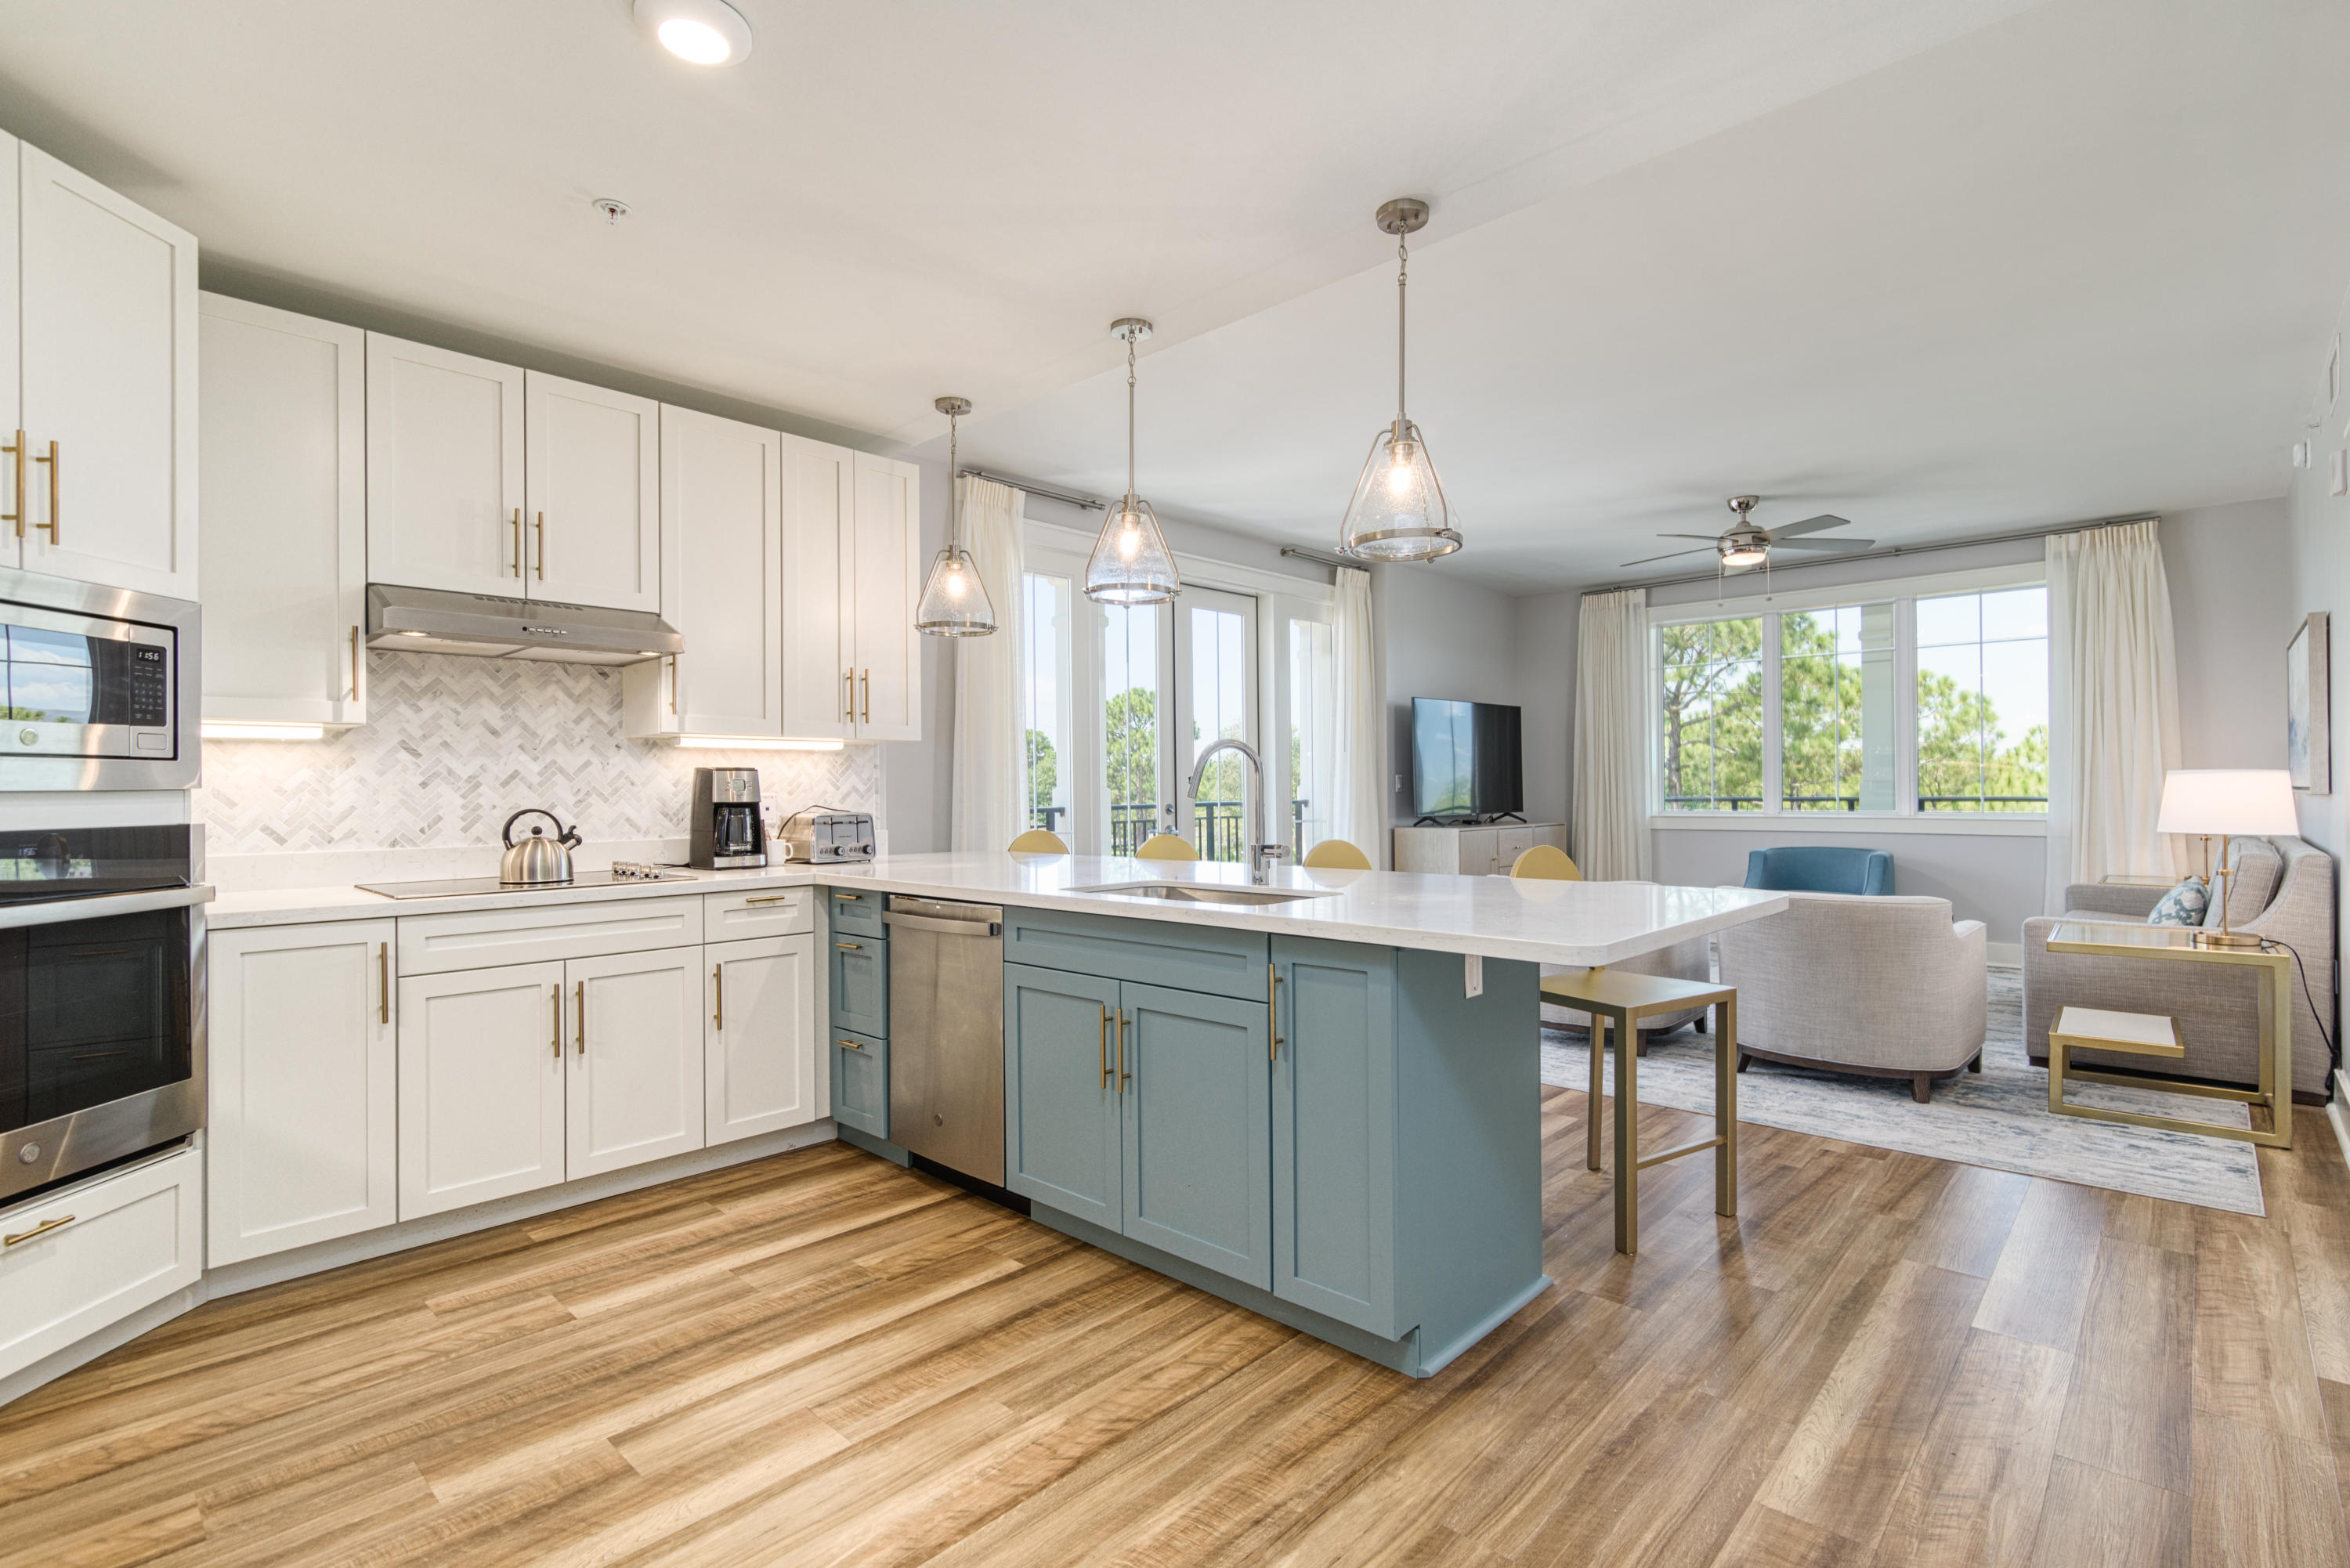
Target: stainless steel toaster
825,836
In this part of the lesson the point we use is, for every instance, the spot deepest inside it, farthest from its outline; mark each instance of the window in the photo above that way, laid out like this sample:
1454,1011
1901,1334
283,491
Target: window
1899,705
1048,758
1712,730
1132,687
1983,701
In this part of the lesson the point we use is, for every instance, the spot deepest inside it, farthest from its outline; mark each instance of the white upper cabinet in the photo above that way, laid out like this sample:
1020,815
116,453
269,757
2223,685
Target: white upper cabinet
284,503
819,694
879,586
106,385
722,583
591,512
16,466
444,469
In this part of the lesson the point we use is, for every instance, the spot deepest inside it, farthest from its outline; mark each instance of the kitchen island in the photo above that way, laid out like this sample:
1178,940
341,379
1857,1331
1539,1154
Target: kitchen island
1319,1098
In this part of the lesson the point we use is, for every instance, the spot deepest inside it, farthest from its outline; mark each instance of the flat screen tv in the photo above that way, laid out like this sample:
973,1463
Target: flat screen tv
1464,759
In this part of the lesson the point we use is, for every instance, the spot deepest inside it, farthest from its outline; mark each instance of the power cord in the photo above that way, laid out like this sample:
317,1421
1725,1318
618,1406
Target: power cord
2332,1055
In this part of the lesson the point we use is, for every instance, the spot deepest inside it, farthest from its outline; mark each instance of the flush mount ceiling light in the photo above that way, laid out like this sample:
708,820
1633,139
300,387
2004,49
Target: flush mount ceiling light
1400,511
955,601
701,32
1131,563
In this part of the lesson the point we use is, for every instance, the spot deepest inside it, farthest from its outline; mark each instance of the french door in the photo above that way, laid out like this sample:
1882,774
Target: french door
1119,701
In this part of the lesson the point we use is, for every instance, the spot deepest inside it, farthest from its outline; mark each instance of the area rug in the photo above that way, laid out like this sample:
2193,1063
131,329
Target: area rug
1998,1117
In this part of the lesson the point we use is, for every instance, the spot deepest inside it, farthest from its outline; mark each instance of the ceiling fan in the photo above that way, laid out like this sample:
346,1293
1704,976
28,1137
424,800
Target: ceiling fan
1742,545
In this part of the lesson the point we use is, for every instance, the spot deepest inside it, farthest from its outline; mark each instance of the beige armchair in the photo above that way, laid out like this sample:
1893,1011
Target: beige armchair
2284,891
1885,987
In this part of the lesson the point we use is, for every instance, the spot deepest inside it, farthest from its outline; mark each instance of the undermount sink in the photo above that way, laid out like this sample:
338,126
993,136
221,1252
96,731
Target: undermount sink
1200,893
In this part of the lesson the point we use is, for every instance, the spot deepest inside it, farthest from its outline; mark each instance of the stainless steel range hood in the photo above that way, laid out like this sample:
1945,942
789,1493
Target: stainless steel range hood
487,625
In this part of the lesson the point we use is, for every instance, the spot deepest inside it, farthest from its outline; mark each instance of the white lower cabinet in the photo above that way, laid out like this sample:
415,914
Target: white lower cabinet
759,1063
302,1139
74,1262
635,1087
481,1086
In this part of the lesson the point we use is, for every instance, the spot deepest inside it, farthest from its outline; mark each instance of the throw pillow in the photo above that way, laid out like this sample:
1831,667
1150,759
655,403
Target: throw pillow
2183,906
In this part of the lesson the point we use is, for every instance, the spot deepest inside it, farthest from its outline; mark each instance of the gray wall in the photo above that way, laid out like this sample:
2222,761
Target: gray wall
1443,637
1544,628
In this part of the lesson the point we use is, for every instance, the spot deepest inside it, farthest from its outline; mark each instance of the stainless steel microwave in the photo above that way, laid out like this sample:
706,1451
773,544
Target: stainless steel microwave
102,687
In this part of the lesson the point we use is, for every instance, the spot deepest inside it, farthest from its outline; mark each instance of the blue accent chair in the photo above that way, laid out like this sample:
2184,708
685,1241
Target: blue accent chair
1817,869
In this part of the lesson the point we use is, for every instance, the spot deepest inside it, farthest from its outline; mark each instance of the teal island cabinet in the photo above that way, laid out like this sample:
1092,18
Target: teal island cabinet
857,972
1336,1136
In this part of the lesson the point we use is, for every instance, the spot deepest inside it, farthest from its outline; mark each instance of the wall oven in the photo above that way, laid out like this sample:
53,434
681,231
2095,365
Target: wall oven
101,1006
102,687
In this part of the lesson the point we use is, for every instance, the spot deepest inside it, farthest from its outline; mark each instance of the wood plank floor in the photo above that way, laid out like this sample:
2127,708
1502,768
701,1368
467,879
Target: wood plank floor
821,1358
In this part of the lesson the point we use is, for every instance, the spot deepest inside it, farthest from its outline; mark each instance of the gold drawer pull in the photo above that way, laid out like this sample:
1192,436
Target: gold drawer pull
557,1041
850,947
718,981
849,1044
384,982
579,1015
772,898
43,1229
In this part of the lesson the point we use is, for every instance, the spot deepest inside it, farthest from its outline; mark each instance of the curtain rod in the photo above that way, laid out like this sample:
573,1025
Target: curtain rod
1892,551
1321,558
1065,496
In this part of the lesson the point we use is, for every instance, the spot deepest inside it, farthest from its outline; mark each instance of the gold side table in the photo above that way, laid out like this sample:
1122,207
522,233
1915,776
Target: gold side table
2175,944
1615,999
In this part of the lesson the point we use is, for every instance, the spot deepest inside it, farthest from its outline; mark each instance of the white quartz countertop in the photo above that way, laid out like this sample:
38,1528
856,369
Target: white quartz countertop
1580,923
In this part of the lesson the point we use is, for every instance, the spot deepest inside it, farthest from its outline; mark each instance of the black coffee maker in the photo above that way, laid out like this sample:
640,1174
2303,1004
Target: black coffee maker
725,824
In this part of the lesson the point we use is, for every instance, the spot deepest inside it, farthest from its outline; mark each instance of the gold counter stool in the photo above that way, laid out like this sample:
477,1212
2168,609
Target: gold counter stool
1613,997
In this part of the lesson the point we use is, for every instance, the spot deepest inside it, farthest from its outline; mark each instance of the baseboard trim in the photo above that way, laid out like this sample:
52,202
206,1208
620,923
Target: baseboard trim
233,1279
2003,955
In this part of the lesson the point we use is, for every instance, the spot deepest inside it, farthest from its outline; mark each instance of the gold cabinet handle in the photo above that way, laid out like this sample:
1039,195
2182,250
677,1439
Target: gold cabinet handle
355,664
56,469
869,699
579,1015
518,537
1105,1045
1272,1011
849,897
17,516
542,546
556,1039
772,898
43,1229
850,947
849,1044
850,715
718,983
384,982
673,659
1124,1076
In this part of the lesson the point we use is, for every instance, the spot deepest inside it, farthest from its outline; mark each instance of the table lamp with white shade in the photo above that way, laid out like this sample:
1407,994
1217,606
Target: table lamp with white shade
2227,802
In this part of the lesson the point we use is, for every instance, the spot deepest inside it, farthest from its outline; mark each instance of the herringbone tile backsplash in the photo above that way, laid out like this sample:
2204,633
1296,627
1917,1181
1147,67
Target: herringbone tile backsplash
453,746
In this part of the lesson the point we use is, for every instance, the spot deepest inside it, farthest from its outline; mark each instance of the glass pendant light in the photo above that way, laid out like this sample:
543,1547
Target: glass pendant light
1131,563
955,601
1400,511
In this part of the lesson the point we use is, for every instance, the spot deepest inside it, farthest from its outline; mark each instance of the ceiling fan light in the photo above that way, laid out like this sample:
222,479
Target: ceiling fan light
1743,555
1400,511
1130,564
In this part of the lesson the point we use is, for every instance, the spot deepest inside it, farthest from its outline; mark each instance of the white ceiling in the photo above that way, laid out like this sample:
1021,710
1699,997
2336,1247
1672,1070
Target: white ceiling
1942,266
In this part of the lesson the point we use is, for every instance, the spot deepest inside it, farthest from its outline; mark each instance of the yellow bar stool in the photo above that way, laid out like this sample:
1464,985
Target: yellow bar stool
1337,855
1616,1003
1038,841
1547,861
1165,846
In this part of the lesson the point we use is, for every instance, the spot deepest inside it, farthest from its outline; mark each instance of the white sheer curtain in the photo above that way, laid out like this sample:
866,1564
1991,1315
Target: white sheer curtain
1360,813
2113,682
983,804
1610,827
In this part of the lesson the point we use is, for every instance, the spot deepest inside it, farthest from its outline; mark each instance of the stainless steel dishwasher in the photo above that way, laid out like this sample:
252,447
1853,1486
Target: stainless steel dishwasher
946,1033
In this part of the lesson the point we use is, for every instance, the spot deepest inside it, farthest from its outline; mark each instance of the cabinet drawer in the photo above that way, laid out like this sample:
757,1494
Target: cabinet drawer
110,1249
861,1082
858,969
1190,958
436,944
857,910
774,912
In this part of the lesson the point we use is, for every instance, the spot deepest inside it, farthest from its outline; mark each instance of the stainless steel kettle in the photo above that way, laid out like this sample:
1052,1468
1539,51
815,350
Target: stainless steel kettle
537,860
